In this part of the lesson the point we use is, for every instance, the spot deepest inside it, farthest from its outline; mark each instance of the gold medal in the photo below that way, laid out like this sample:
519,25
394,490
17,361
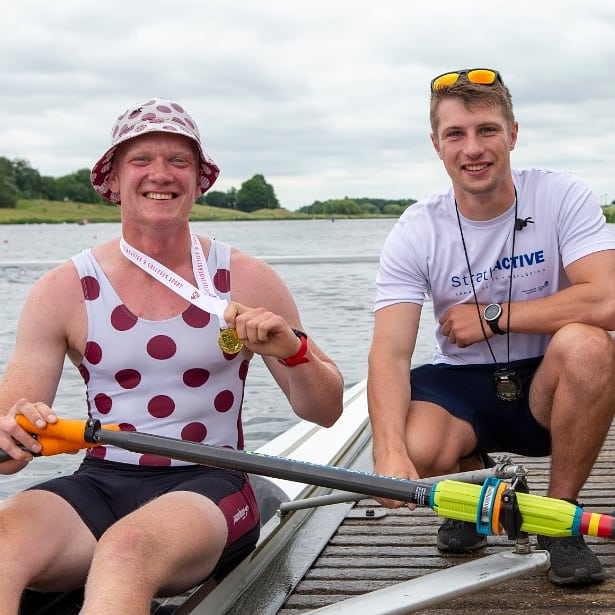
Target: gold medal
228,341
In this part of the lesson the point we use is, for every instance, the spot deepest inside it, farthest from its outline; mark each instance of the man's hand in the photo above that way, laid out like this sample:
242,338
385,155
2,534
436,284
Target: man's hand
12,435
464,325
396,467
262,331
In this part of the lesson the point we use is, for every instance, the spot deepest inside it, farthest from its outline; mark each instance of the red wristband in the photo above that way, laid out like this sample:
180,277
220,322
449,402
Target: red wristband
299,357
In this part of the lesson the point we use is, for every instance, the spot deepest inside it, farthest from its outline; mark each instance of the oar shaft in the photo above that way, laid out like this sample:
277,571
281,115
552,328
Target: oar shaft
274,467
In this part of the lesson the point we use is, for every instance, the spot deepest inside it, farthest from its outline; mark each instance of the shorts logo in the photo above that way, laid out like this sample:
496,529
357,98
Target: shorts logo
241,514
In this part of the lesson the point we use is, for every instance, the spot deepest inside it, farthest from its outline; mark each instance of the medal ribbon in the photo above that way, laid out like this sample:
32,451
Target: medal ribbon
203,297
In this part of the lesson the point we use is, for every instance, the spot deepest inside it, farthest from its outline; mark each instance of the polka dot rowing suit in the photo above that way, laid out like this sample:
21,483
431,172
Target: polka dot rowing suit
166,377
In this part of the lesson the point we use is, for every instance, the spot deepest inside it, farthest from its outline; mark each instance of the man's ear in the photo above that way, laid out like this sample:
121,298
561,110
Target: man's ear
436,144
514,133
112,180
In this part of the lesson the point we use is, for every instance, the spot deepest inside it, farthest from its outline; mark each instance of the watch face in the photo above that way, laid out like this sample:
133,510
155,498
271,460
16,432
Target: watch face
492,311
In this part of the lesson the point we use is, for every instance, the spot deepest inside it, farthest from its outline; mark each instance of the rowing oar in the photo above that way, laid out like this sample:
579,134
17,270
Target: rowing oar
494,507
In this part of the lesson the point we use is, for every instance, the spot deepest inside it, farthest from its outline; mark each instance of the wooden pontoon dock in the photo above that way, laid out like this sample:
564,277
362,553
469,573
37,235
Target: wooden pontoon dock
376,548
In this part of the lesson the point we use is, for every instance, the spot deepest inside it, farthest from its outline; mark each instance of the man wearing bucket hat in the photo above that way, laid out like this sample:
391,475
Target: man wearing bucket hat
161,324
156,115
519,266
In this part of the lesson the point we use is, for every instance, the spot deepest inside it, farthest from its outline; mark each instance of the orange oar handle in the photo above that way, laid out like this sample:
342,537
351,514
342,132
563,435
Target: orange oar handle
64,436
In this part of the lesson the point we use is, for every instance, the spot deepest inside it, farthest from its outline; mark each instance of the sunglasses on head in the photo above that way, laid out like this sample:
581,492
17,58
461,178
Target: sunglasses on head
483,76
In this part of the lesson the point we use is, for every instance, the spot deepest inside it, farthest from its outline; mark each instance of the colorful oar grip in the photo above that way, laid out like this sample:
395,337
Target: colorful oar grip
553,517
455,500
597,524
64,436
540,515
55,446
548,516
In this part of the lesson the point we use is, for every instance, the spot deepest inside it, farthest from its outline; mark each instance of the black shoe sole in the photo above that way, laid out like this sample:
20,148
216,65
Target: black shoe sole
592,579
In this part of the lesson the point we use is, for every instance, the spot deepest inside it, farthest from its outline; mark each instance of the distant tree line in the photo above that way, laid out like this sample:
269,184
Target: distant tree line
355,207
18,180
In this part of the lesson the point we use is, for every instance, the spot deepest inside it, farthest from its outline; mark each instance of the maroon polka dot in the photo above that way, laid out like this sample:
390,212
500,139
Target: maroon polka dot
160,406
127,427
93,353
85,374
103,403
222,280
91,287
196,317
161,347
122,319
224,401
194,432
98,451
243,370
128,378
195,377
154,460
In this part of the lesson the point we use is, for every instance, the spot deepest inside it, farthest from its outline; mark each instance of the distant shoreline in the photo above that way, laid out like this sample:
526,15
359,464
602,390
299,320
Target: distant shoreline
59,212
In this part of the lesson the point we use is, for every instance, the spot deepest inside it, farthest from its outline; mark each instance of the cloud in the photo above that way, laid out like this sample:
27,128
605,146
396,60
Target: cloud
325,99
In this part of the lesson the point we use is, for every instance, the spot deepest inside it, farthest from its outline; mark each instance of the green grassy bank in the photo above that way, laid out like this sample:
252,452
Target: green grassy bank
54,212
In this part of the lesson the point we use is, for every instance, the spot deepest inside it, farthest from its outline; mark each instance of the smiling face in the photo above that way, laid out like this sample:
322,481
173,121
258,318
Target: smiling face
475,144
156,176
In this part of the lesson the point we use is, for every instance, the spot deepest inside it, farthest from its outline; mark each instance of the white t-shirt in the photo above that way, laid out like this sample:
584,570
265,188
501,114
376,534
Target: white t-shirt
423,256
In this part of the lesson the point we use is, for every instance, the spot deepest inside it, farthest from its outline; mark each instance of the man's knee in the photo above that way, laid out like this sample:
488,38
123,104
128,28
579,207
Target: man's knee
583,347
439,452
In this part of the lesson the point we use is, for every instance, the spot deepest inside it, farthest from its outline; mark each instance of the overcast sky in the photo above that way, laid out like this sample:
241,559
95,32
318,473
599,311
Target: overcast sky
325,98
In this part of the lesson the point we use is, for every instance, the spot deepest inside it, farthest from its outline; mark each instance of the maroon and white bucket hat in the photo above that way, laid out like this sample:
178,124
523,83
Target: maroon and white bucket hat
156,115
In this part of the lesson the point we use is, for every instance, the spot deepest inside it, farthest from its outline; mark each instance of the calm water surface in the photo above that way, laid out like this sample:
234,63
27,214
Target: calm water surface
335,302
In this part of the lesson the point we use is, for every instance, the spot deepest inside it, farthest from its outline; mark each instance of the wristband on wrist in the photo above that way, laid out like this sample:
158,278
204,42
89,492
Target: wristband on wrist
299,357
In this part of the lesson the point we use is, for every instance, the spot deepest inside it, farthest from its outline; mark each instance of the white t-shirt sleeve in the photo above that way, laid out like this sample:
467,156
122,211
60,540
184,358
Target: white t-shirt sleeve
401,275
580,224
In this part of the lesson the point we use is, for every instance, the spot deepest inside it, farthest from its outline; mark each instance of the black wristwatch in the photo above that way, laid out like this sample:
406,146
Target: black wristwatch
492,314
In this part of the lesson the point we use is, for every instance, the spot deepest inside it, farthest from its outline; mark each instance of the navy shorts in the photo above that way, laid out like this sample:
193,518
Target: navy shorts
467,392
104,491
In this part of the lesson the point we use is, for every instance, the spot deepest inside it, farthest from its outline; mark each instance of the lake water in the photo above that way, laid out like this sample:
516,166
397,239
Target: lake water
334,299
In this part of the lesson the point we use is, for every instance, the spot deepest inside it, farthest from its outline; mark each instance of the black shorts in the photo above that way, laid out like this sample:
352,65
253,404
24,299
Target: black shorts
467,392
104,491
